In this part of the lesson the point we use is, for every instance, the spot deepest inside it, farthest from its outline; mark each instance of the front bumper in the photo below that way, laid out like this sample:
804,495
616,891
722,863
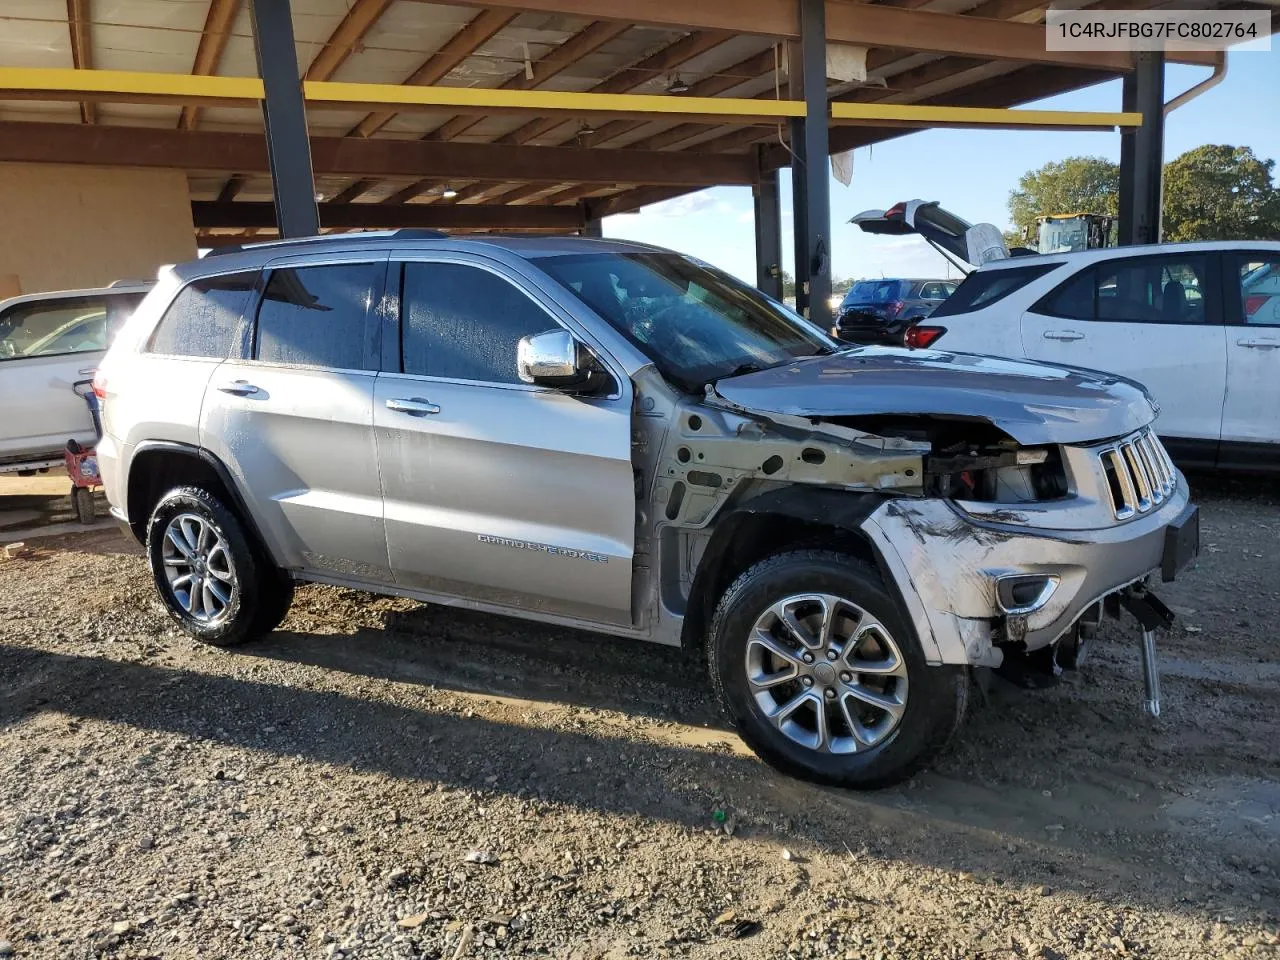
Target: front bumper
946,563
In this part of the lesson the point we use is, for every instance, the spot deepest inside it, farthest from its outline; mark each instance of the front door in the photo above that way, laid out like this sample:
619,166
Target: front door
1251,414
294,423
1154,319
495,490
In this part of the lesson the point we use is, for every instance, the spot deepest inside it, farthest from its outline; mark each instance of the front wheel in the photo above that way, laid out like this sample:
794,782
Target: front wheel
824,678
211,579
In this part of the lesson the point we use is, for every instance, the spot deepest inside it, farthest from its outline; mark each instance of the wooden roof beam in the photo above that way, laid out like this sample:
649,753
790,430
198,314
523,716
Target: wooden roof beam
345,38
866,24
246,153
742,72
207,216
78,20
213,41
630,78
555,62
460,46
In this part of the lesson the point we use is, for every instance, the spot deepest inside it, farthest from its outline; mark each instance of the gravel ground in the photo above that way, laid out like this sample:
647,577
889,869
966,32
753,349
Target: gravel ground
384,779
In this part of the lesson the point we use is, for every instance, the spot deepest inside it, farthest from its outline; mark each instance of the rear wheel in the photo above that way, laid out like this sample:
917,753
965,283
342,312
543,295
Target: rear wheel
824,678
211,579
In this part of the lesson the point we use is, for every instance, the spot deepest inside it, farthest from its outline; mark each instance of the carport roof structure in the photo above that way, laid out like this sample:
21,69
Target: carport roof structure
471,116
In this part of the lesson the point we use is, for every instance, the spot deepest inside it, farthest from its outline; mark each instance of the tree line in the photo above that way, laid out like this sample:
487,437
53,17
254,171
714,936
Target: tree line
1214,192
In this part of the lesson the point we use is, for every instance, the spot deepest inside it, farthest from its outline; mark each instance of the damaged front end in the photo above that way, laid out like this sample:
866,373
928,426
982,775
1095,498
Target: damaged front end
1001,536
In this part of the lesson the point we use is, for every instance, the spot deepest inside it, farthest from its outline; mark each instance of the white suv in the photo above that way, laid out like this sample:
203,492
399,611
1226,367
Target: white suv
1198,324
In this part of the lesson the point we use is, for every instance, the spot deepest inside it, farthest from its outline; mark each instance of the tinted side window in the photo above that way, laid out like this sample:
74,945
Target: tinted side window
983,288
1259,282
316,316
1074,299
204,319
56,326
1147,290
463,323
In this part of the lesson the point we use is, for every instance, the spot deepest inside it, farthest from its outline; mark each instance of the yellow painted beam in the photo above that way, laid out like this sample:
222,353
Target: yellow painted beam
895,114
123,86
482,99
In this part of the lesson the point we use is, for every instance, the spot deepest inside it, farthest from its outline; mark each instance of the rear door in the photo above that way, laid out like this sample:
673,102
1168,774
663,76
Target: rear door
496,490
1156,319
47,346
932,294
1251,414
294,420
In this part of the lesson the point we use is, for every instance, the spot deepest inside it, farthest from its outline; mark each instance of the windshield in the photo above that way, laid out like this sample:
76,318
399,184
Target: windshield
695,323
873,291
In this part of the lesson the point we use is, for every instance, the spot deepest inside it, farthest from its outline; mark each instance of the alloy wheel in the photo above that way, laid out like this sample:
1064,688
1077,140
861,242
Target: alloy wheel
198,568
826,673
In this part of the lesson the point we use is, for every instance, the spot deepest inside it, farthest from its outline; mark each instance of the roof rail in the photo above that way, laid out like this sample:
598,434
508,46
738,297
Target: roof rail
404,233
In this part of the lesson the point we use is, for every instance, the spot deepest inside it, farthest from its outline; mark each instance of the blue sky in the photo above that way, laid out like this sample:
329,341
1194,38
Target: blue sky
969,171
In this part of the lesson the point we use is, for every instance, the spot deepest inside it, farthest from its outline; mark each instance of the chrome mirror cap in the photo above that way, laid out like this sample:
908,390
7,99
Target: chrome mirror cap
549,359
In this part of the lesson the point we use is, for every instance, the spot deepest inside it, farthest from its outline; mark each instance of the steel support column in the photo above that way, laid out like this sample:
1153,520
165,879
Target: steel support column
768,222
1142,152
285,119
810,168
592,227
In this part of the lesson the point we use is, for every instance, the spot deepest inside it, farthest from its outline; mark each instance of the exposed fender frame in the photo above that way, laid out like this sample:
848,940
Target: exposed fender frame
837,509
243,513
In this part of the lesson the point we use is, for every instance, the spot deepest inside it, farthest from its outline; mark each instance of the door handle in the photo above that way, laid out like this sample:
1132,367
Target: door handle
1259,343
87,371
238,388
414,406
1064,335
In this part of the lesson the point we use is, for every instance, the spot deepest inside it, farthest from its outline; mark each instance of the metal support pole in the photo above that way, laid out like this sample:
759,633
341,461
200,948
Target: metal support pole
1129,104
592,228
285,119
799,199
1142,177
768,221
814,168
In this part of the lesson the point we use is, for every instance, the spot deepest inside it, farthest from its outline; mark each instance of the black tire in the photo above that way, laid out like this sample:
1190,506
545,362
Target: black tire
936,700
82,505
261,595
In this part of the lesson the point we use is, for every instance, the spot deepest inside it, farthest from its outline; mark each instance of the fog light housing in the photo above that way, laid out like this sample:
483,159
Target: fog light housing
1023,593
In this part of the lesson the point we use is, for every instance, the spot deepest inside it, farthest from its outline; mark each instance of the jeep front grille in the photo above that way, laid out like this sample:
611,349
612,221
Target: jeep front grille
1140,475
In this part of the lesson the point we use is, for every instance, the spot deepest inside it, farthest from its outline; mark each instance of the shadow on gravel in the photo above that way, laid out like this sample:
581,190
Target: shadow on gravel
1209,486
497,656
651,774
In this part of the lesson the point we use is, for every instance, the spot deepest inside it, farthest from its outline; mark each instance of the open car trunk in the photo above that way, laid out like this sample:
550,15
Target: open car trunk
957,239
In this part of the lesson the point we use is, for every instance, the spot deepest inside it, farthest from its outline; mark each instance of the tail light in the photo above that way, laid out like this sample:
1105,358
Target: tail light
1253,304
918,337
895,308
100,385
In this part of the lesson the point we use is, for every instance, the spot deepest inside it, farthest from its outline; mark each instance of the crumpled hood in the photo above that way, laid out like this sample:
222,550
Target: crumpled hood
1035,403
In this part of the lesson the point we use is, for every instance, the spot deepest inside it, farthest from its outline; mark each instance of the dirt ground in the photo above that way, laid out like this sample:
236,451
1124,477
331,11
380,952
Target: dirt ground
384,779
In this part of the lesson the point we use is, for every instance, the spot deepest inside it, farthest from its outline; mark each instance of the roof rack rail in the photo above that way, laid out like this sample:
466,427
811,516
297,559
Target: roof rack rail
404,233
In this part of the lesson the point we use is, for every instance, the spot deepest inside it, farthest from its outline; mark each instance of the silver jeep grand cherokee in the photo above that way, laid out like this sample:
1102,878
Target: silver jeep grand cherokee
616,437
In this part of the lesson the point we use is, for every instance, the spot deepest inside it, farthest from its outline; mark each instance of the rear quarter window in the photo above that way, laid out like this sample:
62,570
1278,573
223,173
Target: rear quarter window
982,288
205,319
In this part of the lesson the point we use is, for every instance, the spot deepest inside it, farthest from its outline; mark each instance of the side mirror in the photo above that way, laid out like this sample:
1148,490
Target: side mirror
555,359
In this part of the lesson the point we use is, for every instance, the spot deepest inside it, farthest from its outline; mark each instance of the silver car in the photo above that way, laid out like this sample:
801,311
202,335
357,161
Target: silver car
620,438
